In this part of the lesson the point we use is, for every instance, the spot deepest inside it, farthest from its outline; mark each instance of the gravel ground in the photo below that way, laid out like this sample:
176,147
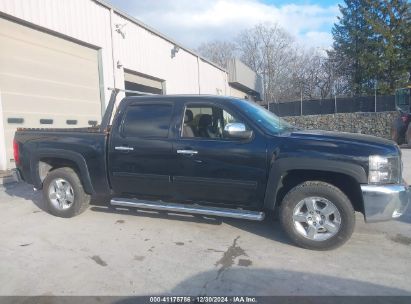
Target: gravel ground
109,252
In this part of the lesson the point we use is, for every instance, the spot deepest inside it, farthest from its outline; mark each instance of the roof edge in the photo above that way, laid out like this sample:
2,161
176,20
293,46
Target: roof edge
157,33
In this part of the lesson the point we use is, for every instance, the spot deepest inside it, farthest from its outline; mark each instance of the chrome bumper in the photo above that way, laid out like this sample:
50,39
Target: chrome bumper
384,202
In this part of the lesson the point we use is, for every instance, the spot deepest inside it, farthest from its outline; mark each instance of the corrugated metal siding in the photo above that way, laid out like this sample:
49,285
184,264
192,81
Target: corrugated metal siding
237,93
86,21
212,81
140,51
57,82
146,53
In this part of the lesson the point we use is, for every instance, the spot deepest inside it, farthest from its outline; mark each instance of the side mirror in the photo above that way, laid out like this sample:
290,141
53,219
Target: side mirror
237,130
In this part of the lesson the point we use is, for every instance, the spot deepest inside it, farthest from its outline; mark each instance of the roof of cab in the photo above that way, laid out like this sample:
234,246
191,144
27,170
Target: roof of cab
181,96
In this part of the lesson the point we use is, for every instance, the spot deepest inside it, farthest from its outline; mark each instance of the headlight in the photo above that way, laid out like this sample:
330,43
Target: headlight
384,170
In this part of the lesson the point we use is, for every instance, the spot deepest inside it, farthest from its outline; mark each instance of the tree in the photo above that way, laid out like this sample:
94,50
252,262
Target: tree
269,51
219,52
372,43
353,47
390,22
289,71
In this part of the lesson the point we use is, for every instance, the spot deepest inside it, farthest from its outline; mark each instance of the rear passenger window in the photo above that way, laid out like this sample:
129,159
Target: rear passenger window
147,120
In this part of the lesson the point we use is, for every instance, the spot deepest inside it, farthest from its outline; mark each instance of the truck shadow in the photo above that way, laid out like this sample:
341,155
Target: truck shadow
272,282
268,228
406,217
239,281
26,192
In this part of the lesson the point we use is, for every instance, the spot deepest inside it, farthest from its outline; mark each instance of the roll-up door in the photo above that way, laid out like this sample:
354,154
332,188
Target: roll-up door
45,81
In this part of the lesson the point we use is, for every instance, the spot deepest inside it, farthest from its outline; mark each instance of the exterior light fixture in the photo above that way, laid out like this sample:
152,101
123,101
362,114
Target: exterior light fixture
174,51
120,29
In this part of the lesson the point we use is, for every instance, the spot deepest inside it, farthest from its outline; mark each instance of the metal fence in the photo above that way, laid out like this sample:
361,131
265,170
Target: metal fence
336,105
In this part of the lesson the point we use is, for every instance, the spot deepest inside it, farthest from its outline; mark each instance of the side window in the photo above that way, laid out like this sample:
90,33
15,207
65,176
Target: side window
206,122
147,120
228,118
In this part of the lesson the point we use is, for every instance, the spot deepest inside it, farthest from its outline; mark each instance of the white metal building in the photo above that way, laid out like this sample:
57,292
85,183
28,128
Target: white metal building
59,57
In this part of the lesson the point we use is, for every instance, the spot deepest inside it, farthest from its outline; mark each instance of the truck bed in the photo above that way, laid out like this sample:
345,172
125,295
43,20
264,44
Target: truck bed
84,148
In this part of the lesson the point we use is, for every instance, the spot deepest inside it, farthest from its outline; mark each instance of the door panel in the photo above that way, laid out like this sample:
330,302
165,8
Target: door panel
222,171
140,152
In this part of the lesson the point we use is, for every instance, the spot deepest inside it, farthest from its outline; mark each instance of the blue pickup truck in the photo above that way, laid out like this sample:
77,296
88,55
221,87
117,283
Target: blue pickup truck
217,156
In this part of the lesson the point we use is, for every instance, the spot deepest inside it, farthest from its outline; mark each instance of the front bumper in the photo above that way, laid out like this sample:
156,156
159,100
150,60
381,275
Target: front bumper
384,202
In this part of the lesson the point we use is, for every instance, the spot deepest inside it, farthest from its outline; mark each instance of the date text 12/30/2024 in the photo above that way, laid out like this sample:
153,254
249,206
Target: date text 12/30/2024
204,299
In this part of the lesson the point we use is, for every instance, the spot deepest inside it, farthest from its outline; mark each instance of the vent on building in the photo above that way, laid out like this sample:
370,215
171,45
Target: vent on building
44,121
14,120
71,121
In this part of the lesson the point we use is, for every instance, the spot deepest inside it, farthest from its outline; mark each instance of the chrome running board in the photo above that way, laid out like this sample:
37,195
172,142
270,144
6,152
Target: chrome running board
193,209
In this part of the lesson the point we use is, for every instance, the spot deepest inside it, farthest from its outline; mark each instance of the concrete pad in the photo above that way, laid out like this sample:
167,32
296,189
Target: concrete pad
127,252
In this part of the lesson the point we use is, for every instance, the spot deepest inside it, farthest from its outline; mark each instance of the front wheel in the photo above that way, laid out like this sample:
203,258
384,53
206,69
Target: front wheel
317,215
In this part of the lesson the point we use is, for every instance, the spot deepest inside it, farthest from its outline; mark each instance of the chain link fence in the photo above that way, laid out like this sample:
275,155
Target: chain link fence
382,103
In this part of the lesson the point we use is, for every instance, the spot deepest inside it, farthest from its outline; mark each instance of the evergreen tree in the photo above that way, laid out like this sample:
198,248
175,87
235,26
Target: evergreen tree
353,48
390,23
372,44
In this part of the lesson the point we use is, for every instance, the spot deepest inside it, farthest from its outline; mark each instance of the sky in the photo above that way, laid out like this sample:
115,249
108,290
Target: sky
192,22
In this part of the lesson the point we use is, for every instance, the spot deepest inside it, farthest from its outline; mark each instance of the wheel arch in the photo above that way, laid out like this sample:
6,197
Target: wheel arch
46,160
286,175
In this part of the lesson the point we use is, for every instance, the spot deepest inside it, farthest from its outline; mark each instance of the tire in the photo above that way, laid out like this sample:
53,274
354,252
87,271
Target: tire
295,208
64,193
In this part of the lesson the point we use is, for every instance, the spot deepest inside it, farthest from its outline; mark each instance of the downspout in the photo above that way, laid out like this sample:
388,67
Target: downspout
112,48
198,75
3,152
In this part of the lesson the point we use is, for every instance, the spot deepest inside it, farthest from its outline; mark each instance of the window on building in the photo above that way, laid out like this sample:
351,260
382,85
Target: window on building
136,82
147,120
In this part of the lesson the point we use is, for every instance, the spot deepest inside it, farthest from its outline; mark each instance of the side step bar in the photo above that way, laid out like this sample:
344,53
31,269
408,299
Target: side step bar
193,209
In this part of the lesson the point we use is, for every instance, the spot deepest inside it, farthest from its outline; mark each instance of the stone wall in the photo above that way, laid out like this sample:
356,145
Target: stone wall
377,124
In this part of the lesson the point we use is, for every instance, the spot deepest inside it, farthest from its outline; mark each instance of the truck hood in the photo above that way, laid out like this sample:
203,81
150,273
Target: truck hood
364,143
353,137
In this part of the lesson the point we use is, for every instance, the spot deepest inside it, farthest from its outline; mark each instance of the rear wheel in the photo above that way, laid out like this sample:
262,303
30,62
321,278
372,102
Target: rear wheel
64,193
317,215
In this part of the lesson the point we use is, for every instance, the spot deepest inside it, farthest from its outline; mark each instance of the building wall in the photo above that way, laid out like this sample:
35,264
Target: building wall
140,50
86,21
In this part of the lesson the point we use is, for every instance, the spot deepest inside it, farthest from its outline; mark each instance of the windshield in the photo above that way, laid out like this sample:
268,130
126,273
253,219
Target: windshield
265,119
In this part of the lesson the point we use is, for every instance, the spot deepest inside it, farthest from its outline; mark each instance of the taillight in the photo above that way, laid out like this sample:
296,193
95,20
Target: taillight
16,152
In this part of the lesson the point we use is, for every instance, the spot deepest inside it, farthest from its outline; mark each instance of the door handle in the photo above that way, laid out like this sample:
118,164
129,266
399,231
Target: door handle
187,152
123,148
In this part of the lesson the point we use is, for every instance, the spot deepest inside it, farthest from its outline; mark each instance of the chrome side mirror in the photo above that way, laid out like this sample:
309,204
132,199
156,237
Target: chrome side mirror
237,130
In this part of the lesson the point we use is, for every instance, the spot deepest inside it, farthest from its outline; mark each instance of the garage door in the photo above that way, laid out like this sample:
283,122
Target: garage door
45,81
